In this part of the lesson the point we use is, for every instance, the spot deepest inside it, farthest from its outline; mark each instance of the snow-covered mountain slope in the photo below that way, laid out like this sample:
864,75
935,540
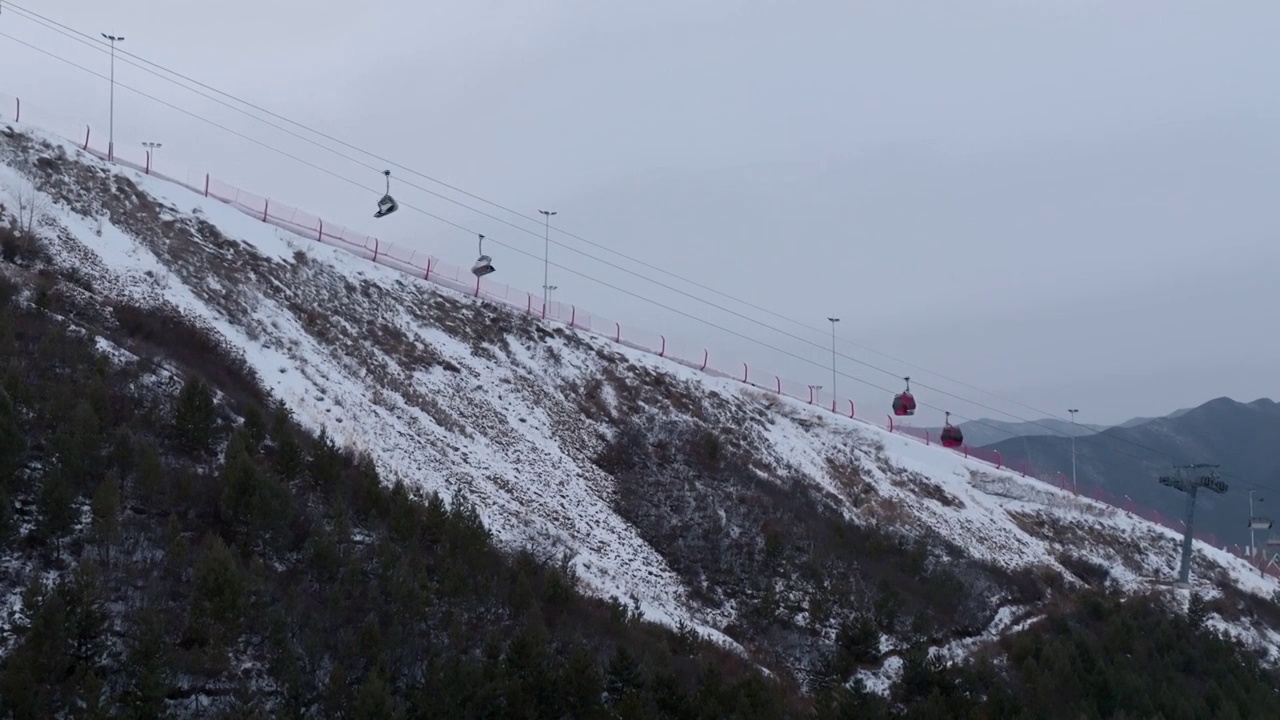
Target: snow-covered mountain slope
749,516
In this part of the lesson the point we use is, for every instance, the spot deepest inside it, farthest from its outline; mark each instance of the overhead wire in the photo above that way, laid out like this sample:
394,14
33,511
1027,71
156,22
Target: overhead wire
464,228
96,44
100,45
461,227
973,421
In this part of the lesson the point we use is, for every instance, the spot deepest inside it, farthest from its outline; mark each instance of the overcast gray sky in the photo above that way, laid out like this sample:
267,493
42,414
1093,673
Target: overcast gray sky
1065,202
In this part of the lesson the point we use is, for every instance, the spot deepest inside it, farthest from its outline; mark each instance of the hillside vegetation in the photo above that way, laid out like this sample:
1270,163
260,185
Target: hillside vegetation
177,541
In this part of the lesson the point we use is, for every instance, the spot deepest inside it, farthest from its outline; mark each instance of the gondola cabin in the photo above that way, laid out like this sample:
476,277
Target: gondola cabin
904,404
951,435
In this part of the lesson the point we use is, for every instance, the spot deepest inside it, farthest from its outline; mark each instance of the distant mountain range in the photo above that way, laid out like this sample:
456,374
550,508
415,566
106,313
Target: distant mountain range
1140,420
985,431
1127,460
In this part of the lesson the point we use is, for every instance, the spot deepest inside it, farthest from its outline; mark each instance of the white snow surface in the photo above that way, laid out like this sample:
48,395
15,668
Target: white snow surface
521,453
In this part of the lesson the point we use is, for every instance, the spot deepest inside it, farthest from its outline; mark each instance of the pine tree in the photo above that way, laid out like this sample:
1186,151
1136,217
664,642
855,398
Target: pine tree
290,462
250,498
151,473
57,512
218,595
255,424
581,684
146,663
373,700
77,445
6,518
12,440
106,513
195,416
1197,610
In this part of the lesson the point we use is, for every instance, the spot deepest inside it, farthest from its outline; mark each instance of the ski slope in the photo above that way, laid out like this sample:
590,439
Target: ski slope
458,395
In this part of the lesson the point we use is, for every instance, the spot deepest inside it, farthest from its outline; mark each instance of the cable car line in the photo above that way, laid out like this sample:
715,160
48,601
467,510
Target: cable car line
95,44
1052,431
98,45
464,228
526,230
575,272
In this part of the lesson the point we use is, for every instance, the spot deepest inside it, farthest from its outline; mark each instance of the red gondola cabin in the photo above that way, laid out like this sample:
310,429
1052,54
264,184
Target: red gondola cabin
951,435
904,403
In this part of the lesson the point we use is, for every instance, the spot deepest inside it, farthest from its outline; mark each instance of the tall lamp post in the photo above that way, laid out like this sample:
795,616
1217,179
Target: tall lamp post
546,251
550,289
1256,523
111,124
833,321
1074,488
151,152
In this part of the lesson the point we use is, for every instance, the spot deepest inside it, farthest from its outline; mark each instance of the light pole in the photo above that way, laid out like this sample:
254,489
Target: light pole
546,251
1074,488
833,320
111,126
548,289
1253,542
151,152
815,390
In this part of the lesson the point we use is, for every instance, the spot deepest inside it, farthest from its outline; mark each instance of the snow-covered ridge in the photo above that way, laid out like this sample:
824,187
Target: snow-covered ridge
309,227
451,394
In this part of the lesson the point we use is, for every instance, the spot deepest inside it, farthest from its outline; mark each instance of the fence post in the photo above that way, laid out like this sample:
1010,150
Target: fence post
663,351
428,275
852,409
926,437
890,422
778,380
206,184
617,332
745,371
573,314
320,234
17,115
86,138
375,259
528,303
266,204
999,461
477,285
706,355
148,168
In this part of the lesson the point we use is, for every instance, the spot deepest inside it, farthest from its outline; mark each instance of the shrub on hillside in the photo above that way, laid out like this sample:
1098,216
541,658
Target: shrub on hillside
164,332
21,248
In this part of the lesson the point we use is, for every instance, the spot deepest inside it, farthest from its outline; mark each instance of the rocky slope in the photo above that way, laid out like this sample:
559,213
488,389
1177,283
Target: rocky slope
781,531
